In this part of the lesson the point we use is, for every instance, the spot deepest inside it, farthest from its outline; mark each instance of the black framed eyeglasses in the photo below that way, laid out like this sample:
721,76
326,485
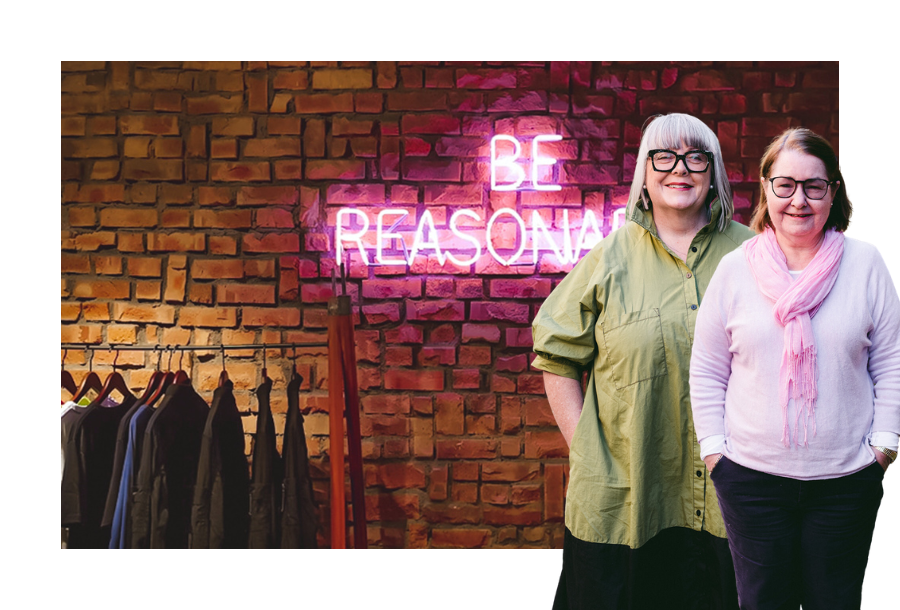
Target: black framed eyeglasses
695,161
813,188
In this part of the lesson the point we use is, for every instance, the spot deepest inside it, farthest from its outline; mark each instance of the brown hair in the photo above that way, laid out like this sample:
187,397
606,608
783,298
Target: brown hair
804,140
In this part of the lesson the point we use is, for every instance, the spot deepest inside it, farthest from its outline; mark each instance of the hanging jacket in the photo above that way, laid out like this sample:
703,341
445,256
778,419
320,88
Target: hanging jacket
162,506
120,536
299,520
219,517
112,495
265,483
89,454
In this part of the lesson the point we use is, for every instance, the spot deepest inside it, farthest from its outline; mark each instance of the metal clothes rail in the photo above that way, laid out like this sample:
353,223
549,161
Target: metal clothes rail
163,348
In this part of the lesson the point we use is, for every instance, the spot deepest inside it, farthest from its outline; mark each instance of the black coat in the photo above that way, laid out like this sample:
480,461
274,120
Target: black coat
161,517
265,483
220,515
298,521
87,470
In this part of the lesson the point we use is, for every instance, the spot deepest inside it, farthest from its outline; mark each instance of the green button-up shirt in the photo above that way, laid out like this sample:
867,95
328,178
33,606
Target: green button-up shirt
626,314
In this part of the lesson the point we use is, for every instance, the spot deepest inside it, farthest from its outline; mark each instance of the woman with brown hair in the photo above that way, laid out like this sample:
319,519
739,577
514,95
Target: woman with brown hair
795,387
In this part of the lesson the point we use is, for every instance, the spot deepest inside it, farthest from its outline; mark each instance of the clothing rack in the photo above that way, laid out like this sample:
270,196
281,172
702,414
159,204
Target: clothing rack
343,391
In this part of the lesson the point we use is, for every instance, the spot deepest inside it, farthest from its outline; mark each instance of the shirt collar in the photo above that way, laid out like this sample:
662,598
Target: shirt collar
645,217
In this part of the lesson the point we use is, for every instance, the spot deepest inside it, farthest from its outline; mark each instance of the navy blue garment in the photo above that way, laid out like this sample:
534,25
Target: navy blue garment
120,536
220,513
798,542
112,496
161,518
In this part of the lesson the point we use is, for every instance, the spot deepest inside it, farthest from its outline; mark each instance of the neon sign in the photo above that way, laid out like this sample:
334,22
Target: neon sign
426,237
463,238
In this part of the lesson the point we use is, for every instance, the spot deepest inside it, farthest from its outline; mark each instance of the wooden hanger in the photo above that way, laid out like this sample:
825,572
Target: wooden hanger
155,378
68,382
164,382
90,382
181,376
115,381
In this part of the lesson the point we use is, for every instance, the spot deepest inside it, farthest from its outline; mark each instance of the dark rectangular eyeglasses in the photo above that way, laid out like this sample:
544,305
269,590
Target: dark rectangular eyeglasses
695,161
813,188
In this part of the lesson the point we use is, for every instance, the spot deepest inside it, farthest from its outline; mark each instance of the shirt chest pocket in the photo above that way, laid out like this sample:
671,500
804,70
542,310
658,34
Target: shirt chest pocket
634,347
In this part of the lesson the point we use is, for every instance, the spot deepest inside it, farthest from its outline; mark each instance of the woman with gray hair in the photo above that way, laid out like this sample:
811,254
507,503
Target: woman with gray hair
643,528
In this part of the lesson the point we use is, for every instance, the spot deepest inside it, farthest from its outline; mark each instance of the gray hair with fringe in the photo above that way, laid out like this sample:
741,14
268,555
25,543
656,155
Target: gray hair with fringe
673,131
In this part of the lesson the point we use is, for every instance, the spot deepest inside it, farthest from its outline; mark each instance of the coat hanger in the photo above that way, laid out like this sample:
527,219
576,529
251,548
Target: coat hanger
90,382
265,371
181,376
68,382
155,378
223,376
295,374
164,382
115,381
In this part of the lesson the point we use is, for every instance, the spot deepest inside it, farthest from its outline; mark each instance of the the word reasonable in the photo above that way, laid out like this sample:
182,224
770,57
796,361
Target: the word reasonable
466,247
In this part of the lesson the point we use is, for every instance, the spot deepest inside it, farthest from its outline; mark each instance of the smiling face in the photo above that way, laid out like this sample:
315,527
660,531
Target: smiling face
678,189
798,219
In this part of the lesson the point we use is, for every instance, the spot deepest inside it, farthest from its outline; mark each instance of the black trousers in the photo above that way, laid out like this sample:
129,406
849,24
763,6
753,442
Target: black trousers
798,542
678,569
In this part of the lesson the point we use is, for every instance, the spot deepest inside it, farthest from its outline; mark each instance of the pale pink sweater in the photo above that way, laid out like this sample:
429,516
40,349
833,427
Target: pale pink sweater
735,369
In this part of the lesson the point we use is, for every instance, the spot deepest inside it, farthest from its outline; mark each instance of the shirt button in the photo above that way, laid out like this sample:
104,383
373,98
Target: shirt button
693,307
689,275
699,513
694,249
699,473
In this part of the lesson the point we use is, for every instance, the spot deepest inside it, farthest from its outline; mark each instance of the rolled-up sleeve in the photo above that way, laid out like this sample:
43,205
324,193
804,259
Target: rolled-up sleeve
563,329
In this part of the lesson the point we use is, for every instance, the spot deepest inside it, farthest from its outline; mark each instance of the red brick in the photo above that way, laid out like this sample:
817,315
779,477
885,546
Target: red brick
504,311
176,242
233,126
129,217
271,242
156,314
355,193
519,337
294,79
71,333
214,104
753,126
278,316
466,449
495,515
448,416
456,511
386,74
245,293
108,265
475,355
510,471
73,126
404,334
208,316
102,289
87,148
485,79
224,219
391,404
72,263
491,493
460,538
342,79
149,125
430,124
392,289
385,426
272,147
545,444
69,312
336,169
480,332
465,471
100,193
435,310
382,313
217,269
437,483
224,171
153,170
323,103
425,381
264,195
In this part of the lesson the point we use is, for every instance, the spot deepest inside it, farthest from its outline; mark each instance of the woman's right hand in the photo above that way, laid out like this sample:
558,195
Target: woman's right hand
710,460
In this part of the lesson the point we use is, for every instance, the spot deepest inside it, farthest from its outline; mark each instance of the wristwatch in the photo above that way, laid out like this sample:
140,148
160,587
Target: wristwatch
890,453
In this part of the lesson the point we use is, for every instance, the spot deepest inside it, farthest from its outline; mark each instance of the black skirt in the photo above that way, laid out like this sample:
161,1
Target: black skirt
678,569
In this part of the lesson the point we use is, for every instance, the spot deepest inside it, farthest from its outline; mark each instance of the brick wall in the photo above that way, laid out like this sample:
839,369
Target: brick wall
199,201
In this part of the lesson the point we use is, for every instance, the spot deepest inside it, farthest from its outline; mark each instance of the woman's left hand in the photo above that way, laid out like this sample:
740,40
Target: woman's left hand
883,460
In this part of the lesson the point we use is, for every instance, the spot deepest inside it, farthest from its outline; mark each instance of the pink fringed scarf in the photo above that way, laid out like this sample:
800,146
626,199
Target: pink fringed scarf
796,302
